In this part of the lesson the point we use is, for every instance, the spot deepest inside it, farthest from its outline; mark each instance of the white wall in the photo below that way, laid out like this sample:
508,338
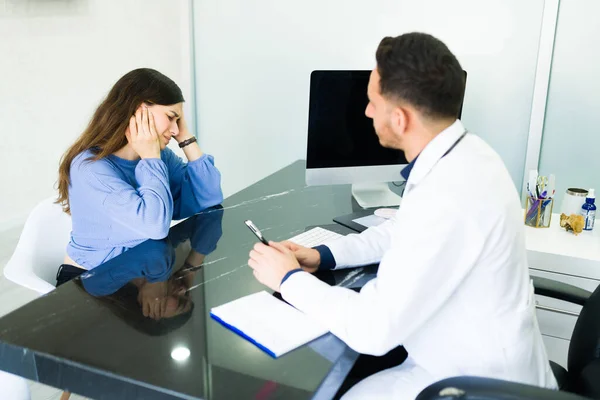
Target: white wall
59,59
572,126
254,58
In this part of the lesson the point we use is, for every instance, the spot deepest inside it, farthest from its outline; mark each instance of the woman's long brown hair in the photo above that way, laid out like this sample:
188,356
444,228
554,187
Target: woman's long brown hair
105,134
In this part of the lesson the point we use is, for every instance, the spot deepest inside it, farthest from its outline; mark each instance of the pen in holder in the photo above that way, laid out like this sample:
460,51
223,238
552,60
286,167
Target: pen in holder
538,212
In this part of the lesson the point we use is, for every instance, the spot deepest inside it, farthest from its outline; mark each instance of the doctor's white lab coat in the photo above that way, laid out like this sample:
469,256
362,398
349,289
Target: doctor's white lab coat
453,284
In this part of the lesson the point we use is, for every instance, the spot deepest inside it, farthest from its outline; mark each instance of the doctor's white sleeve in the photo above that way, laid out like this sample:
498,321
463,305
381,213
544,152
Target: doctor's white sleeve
362,249
415,278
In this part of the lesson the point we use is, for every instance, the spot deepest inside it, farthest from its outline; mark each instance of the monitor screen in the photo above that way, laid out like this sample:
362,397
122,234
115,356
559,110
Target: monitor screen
339,132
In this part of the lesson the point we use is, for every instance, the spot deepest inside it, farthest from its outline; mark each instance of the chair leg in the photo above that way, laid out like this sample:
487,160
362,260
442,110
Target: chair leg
65,396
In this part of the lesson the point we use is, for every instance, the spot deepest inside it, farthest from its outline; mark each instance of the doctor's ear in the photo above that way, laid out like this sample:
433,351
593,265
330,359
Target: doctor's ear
399,119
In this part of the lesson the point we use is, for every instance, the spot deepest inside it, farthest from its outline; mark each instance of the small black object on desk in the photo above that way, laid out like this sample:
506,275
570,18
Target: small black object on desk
348,219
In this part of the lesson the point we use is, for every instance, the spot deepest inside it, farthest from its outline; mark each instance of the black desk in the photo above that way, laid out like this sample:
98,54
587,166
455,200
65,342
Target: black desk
90,337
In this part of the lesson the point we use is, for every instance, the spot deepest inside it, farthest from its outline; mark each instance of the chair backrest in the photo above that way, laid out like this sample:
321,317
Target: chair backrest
41,248
585,341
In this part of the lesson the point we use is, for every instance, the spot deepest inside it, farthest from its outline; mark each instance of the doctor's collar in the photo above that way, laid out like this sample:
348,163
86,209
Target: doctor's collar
406,171
438,148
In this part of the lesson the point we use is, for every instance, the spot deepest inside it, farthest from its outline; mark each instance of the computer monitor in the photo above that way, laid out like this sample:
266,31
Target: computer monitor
342,145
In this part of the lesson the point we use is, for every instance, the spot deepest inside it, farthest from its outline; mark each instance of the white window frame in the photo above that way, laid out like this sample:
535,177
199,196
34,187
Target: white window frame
540,89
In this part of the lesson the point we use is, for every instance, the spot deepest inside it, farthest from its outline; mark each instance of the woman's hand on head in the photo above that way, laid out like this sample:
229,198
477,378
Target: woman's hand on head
142,135
184,133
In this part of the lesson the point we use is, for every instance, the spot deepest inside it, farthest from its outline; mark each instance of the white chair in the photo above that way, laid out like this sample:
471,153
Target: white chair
41,248
34,263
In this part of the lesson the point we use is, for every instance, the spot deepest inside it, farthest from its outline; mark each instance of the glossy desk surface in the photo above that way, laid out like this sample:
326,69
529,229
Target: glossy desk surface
112,333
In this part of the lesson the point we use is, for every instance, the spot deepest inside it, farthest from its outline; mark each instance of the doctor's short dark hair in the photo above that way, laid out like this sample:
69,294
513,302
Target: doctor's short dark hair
419,69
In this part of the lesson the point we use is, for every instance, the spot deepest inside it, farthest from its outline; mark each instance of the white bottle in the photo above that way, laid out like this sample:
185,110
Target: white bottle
588,211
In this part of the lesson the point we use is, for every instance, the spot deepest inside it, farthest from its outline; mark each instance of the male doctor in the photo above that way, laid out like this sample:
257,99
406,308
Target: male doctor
453,284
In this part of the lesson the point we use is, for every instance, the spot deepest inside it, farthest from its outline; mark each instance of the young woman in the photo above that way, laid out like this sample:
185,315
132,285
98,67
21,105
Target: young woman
120,182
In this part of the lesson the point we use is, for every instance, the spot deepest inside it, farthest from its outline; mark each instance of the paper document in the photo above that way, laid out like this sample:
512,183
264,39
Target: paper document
369,220
272,325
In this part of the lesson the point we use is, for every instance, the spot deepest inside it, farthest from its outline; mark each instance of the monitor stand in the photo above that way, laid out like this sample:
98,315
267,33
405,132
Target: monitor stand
371,195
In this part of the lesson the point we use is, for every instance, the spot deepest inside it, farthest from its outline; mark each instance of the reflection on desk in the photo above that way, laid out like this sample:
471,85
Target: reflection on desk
90,335
143,288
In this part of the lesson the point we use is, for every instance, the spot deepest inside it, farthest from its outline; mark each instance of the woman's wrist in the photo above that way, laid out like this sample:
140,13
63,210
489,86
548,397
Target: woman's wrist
191,149
150,154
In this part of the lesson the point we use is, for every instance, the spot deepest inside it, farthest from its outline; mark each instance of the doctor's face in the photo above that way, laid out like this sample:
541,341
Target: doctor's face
380,110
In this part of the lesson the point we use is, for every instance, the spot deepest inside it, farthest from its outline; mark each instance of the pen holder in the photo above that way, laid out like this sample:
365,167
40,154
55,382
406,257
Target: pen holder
538,212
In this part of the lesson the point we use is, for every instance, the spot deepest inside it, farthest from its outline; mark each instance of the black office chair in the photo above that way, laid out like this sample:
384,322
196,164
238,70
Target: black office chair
580,381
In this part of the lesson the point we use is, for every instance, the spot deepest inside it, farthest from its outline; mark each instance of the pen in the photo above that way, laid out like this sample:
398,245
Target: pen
256,231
